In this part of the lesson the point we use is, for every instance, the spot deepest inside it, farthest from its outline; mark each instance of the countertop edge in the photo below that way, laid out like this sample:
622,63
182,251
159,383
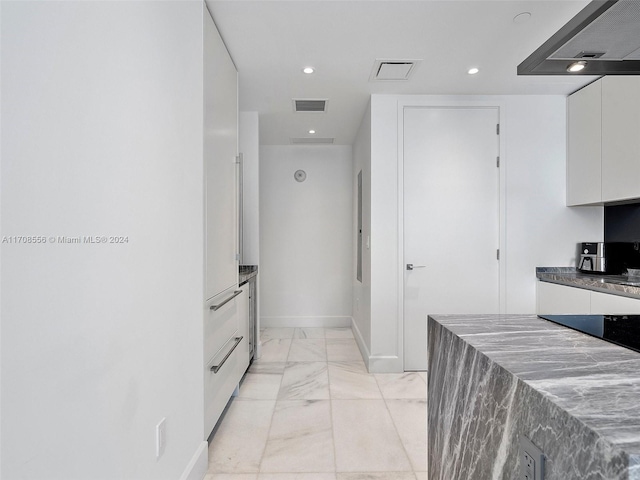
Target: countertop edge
570,277
633,454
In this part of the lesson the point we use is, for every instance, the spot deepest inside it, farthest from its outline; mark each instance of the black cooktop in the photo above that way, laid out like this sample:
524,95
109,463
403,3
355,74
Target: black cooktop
623,330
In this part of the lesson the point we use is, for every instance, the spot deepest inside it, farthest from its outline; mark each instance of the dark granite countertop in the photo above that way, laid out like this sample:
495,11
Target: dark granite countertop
621,285
593,381
246,272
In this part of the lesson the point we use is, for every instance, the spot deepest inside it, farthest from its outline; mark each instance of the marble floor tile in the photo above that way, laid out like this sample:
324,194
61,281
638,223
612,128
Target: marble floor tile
342,350
297,476
421,475
365,438
423,375
377,476
241,438
275,350
351,380
402,385
305,381
260,386
308,333
231,476
271,368
276,332
338,332
300,438
410,419
308,350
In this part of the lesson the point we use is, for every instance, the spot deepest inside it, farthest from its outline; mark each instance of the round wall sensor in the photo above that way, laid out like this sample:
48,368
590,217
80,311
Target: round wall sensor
300,175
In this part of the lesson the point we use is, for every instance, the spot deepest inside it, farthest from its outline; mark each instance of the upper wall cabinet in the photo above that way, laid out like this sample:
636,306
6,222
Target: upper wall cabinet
585,139
620,138
220,151
603,163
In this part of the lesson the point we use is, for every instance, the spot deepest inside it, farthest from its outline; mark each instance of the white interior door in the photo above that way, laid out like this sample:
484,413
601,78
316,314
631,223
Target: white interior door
451,218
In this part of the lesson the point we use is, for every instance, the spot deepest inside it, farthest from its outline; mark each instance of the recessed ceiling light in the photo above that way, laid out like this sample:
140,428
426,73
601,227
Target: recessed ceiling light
312,131
473,71
576,66
308,70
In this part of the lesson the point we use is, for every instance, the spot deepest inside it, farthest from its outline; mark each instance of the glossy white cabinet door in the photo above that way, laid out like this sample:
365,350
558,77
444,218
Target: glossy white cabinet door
584,177
220,150
620,138
554,299
604,303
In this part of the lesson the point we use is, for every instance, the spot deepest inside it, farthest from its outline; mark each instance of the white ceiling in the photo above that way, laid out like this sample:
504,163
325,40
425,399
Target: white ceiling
271,41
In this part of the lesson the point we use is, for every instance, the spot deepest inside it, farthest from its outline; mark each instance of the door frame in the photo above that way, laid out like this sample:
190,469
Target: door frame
450,102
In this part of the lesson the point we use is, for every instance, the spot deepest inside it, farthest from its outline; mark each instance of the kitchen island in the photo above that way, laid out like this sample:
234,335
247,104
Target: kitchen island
495,378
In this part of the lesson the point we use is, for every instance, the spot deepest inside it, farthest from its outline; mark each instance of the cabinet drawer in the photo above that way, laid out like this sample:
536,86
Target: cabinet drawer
604,303
560,299
220,383
221,320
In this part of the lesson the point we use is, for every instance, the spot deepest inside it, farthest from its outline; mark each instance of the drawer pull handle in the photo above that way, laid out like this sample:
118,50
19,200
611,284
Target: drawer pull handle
216,368
216,307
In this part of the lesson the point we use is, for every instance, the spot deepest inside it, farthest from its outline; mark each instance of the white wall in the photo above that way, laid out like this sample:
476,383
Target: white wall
102,135
362,289
306,236
537,228
250,149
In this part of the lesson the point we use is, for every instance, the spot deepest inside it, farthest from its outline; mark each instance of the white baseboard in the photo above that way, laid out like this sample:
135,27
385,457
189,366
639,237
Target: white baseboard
197,468
362,345
308,322
385,364
376,364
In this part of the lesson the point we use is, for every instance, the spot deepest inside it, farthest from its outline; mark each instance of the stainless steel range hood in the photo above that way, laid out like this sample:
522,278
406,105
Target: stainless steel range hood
604,36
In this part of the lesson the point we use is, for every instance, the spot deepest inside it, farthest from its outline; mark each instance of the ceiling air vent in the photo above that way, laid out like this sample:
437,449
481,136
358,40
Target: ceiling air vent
310,105
311,141
392,70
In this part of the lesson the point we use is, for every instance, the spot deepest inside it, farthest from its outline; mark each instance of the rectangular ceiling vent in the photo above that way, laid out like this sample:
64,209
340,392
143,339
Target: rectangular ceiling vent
310,105
311,141
392,70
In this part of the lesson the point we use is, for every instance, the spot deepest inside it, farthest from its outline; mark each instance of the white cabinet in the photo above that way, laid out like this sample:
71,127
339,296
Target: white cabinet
220,381
224,306
603,161
584,149
620,138
244,348
220,151
556,299
604,303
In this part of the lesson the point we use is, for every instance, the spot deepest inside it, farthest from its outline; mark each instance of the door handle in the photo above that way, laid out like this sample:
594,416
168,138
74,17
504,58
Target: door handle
411,266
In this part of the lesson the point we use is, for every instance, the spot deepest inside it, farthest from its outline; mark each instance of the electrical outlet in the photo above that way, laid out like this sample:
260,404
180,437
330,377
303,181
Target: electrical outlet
161,437
531,460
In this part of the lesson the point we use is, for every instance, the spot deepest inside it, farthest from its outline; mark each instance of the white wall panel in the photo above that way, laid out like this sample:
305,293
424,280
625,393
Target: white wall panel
362,289
537,228
306,235
250,149
101,136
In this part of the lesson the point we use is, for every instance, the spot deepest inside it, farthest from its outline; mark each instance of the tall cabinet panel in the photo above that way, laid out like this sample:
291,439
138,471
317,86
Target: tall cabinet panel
220,150
585,139
620,138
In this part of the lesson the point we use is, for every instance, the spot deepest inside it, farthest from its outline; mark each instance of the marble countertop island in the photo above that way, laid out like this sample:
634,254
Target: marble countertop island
494,378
